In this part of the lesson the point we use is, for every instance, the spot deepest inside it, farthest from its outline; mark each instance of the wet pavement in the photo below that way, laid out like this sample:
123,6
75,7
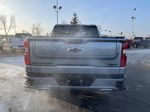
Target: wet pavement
15,98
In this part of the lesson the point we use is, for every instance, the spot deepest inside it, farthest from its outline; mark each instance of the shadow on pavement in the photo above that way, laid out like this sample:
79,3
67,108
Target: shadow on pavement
85,100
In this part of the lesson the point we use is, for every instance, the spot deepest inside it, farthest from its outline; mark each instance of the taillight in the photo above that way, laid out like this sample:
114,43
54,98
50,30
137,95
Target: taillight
123,54
27,53
26,44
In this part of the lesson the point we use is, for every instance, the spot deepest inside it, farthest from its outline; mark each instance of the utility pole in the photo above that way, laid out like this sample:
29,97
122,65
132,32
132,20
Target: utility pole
133,18
57,9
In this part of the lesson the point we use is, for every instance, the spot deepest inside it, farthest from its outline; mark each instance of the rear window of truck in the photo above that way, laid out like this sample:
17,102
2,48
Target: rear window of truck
75,31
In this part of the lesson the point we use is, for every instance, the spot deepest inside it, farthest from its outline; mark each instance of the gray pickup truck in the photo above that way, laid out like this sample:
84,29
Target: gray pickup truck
75,57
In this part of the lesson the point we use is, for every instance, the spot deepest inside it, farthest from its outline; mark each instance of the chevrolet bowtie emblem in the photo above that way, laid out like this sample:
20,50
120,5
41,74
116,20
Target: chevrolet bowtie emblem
74,50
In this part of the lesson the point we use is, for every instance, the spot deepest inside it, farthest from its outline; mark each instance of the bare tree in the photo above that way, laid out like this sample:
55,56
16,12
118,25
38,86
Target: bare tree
36,29
64,22
48,34
6,25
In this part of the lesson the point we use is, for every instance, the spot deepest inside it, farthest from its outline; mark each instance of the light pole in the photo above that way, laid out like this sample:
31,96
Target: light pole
133,18
57,9
121,34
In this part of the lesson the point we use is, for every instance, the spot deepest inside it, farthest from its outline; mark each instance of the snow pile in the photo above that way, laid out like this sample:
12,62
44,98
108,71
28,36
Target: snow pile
141,56
15,60
4,108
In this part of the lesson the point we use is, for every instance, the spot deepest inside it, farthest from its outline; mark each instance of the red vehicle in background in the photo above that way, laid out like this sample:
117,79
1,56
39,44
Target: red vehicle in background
130,42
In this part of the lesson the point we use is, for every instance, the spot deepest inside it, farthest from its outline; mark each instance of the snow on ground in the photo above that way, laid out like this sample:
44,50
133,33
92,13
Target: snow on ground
4,108
140,55
15,98
14,60
139,51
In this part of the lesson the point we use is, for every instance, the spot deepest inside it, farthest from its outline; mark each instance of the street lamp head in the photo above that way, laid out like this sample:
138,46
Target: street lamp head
57,9
54,6
133,18
60,7
134,9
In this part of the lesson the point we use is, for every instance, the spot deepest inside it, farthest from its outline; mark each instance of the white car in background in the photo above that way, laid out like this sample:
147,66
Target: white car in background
17,41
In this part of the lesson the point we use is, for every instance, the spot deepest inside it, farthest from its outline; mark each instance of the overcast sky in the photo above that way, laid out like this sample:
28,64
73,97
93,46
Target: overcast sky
114,15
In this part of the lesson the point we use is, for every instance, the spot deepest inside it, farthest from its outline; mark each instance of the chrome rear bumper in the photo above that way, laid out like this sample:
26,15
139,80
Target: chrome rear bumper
98,85
75,78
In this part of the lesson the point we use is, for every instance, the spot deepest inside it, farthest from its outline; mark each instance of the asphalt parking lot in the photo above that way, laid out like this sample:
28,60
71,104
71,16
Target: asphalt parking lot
15,98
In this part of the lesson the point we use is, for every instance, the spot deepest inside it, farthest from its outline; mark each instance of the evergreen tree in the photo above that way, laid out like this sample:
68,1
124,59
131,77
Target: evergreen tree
75,19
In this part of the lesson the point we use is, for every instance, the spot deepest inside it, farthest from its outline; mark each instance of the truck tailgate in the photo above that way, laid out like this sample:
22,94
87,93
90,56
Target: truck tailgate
75,52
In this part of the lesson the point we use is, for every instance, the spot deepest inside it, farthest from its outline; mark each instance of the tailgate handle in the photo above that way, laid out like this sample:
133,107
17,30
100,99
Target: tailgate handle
74,50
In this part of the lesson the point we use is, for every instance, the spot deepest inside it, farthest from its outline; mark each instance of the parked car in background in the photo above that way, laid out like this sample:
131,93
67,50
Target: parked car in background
137,42
146,42
130,42
147,38
75,57
17,41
